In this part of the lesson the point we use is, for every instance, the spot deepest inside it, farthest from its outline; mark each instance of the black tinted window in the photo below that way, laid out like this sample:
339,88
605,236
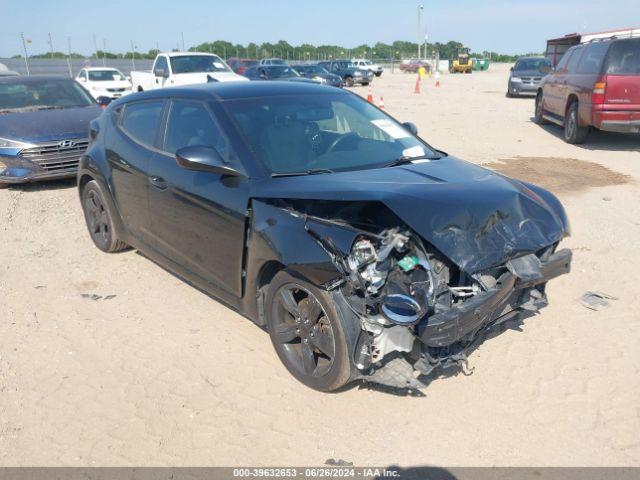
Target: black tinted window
575,58
562,64
161,64
624,58
591,61
141,120
191,125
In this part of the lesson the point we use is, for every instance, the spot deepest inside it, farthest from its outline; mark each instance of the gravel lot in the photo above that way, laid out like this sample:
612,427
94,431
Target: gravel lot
161,374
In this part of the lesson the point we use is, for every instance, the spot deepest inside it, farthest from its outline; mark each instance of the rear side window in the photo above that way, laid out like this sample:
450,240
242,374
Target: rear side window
575,58
191,125
624,58
593,57
141,121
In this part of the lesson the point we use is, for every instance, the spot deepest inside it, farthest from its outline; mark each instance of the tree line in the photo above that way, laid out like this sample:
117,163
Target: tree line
381,51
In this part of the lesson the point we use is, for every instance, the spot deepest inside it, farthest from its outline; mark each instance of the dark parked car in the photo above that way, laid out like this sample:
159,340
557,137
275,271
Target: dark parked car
240,65
595,85
43,127
412,65
349,73
319,74
365,252
526,75
274,72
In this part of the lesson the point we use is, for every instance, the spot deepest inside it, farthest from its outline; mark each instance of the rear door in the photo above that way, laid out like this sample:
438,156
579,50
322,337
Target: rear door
198,218
569,82
622,68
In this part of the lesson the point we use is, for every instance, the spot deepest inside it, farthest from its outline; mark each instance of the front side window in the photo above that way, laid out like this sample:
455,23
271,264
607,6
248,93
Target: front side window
328,131
593,57
141,121
575,58
190,125
45,94
197,63
624,58
161,64
281,72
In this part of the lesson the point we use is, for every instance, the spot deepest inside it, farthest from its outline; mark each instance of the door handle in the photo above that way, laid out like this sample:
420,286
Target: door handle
158,182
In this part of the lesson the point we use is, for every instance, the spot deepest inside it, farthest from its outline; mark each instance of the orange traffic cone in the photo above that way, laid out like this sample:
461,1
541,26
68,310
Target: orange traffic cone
370,95
417,88
381,104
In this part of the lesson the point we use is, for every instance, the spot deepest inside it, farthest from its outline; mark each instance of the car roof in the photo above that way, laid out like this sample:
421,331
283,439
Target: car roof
235,90
182,54
33,78
93,69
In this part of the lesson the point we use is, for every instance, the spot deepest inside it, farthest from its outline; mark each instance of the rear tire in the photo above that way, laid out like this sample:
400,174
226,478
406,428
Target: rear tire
573,132
308,332
100,219
539,112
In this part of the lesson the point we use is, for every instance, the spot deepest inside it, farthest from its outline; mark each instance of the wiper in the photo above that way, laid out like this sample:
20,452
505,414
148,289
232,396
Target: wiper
311,171
406,159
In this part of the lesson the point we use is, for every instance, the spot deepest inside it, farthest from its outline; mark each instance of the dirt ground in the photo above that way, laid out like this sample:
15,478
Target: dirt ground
161,374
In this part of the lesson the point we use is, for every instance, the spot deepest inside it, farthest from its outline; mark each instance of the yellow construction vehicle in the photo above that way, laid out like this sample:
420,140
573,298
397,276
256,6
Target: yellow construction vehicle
462,63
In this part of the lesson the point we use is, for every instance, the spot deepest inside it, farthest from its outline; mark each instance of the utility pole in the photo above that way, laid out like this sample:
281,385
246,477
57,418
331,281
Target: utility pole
95,47
26,55
182,34
133,56
69,56
104,52
51,44
420,8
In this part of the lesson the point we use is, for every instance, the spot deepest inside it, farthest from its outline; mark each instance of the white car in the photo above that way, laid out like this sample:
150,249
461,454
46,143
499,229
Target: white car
364,64
184,68
104,82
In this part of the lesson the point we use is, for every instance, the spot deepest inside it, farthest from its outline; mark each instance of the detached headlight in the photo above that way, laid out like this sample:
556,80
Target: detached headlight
516,79
5,143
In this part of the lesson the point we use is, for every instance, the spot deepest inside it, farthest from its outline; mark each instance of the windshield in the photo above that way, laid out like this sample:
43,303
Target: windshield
281,72
197,64
537,64
294,134
105,75
42,94
315,69
624,58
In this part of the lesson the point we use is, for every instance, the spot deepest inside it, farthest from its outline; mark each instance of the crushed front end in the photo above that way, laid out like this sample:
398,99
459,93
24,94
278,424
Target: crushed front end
418,311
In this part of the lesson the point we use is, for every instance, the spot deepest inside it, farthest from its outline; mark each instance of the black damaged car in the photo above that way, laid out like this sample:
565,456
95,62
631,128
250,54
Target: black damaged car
365,252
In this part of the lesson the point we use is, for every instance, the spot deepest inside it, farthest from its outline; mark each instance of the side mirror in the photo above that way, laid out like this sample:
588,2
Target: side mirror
411,127
104,101
160,72
205,159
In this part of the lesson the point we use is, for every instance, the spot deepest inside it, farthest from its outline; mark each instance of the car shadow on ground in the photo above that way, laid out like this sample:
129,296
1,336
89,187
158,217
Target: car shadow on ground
44,185
601,141
451,370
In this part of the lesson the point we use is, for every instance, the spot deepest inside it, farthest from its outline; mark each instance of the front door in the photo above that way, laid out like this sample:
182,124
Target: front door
197,218
136,133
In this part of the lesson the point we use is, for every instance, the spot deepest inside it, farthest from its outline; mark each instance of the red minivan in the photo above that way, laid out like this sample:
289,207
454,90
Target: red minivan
596,84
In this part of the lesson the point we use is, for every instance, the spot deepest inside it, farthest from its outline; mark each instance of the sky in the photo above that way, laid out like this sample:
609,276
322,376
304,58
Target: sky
513,27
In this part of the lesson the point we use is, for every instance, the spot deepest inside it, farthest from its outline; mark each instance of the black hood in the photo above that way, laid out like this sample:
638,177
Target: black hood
44,125
475,217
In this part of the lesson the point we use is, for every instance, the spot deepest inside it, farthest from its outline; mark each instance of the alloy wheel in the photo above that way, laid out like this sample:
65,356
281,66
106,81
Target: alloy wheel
303,332
97,218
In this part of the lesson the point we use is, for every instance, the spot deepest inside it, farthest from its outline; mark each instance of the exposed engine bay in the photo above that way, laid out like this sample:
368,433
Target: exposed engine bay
405,295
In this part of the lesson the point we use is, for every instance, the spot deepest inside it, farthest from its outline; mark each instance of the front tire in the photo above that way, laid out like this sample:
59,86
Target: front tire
573,132
538,116
100,219
308,332
348,81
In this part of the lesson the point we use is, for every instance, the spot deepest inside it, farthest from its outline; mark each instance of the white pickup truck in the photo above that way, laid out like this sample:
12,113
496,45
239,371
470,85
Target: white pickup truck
183,68
364,64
